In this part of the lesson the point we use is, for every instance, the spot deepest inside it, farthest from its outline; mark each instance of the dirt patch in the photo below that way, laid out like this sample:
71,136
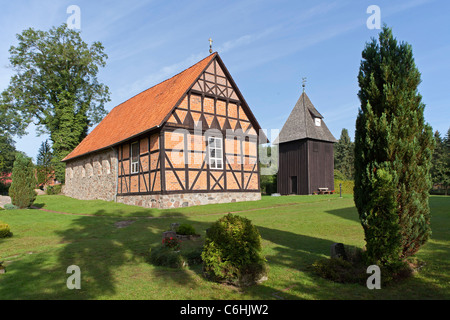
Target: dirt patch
123,224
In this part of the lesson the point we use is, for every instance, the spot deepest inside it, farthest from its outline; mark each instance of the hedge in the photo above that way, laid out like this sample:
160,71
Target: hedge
347,186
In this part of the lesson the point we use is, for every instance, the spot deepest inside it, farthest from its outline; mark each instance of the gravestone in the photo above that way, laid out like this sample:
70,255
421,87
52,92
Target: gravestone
174,226
338,251
168,234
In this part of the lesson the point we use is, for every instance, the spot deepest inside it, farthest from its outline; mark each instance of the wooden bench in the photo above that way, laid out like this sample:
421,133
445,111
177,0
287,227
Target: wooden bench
325,191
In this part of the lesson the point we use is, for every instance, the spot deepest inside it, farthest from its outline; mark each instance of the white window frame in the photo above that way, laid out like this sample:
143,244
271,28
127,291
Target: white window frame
215,162
134,164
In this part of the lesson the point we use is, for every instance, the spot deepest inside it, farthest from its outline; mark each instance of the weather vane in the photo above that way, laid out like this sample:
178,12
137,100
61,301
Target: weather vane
304,83
210,45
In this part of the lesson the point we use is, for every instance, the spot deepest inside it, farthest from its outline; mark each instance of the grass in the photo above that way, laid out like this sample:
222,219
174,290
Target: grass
296,231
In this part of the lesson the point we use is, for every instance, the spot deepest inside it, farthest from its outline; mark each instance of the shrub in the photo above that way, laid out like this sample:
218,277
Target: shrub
165,257
54,190
193,256
268,184
232,252
354,269
172,243
5,230
350,270
10,206
186,229
347,186
23,182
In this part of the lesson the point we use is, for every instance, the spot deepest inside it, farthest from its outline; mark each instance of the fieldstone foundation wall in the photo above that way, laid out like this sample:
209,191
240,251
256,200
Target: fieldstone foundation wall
92,177
187,199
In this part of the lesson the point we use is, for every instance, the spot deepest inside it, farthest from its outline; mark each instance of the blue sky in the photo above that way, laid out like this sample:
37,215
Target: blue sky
268,46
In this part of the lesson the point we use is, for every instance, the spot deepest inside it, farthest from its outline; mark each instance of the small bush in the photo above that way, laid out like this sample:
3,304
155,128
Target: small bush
10,206
54,190
23,182
1,208
354,269
193,256
232,252
172,243
165,257
5,230
340,270
186,229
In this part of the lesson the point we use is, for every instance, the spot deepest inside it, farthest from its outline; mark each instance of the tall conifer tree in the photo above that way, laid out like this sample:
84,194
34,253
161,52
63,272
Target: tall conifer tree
393,150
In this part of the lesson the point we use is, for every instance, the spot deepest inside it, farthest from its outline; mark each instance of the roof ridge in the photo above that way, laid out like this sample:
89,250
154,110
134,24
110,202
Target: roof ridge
115,126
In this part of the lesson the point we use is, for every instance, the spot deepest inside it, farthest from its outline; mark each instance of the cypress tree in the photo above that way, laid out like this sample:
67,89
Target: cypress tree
23,182
393,150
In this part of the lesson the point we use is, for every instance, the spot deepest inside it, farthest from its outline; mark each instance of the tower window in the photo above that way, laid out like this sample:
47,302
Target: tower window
317,122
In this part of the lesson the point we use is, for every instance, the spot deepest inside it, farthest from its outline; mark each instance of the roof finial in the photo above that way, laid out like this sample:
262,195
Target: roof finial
304,83
210,45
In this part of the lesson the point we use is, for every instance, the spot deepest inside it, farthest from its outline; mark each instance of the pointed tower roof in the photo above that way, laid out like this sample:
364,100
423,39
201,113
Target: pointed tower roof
301,124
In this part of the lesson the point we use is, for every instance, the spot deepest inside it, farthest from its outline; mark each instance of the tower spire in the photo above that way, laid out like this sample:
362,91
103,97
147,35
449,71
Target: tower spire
304,83
210,45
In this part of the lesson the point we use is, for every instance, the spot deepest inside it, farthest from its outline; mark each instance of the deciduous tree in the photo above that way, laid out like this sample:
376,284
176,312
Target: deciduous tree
55,85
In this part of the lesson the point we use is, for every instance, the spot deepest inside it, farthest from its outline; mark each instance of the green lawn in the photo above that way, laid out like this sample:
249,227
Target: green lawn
296,231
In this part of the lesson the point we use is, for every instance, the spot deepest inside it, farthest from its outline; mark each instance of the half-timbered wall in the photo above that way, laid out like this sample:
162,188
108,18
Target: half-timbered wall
175,160
147,179
211,108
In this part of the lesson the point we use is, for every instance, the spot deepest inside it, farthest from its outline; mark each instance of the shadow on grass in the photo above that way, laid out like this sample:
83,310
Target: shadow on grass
38,205
349,213
101,249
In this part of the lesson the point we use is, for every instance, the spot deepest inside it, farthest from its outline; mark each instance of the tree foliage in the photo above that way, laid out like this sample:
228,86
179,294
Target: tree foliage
393,150
44,163
55,86
7,153
440,170
344,155
23,182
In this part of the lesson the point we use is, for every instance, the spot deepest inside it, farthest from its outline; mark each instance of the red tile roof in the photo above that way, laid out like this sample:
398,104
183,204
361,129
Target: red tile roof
143,112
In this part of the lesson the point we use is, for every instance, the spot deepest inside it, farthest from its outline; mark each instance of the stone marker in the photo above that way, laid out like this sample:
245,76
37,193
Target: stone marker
174,226
338,251
168,234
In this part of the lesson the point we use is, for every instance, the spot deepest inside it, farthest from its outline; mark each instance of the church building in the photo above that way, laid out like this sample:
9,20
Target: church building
189,140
